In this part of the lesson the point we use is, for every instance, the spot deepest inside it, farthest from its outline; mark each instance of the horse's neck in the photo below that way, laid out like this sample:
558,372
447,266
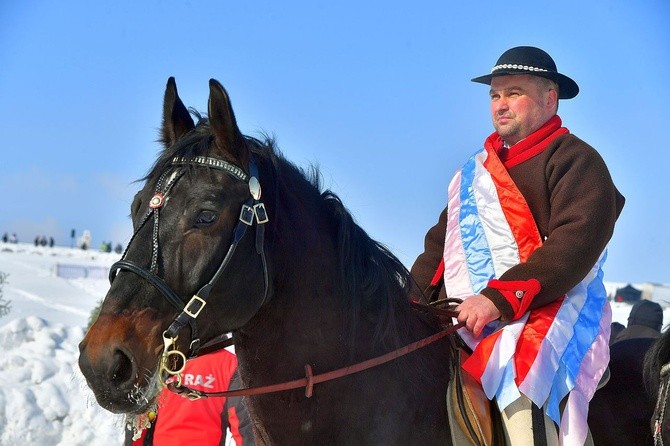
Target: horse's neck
304,316
303,323
308,319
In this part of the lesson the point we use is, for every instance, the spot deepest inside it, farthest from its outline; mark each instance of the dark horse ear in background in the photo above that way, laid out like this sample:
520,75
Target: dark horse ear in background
227,135
177,120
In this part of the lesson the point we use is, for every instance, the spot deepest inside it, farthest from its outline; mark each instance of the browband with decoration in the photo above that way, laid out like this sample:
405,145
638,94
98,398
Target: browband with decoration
211,162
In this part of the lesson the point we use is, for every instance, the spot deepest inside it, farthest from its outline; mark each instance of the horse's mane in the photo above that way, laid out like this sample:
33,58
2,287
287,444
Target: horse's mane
656,357
373,280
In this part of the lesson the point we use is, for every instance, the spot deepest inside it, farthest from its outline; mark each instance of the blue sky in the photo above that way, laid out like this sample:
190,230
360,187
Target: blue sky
377,94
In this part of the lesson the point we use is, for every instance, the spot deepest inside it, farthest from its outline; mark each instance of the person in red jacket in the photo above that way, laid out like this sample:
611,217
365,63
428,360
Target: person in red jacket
204,422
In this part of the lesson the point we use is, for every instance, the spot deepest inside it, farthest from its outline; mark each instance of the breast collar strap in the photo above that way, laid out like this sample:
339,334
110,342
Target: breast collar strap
253,210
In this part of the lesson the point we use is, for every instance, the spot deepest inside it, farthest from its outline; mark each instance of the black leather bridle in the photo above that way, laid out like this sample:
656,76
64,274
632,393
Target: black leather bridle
253,211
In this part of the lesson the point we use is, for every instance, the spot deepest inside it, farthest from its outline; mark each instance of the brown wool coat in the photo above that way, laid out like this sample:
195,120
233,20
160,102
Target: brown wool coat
575,205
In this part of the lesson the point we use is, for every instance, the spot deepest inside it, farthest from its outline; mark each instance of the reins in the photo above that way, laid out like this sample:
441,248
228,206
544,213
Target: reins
310,379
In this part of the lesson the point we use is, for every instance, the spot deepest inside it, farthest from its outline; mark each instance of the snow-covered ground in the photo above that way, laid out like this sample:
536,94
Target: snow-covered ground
44,400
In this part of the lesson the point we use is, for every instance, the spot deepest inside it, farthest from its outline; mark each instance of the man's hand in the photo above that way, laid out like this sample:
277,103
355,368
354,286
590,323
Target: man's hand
477,311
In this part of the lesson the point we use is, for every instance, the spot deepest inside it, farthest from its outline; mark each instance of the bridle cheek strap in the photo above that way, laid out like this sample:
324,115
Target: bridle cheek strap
252,211
194,306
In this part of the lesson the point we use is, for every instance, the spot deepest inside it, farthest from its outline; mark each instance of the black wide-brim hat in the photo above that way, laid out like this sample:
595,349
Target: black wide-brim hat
533,61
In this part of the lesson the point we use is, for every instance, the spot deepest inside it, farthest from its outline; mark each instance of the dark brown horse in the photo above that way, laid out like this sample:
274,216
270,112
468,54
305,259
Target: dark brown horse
283,266
621,412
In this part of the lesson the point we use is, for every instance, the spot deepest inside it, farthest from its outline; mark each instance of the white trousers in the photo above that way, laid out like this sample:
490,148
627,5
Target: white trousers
518,425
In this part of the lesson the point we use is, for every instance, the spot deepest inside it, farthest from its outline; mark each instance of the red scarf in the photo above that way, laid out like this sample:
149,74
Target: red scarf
528,147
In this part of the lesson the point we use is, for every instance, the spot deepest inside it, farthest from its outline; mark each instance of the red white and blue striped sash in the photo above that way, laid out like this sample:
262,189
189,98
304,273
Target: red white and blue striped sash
550,352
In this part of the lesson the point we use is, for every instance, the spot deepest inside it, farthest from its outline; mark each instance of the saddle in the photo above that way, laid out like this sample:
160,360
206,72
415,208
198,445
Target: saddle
472,418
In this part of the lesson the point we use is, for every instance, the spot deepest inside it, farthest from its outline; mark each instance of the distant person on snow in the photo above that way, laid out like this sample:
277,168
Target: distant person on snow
85,240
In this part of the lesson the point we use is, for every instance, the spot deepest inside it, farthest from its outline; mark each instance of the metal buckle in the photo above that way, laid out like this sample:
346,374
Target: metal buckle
261,213
194,306
247,215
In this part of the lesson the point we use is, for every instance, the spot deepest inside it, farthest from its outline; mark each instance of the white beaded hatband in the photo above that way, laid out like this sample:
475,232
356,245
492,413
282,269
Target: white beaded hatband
507,66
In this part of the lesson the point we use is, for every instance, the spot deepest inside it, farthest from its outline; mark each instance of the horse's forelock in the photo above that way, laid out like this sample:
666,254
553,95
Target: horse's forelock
197,142
194,143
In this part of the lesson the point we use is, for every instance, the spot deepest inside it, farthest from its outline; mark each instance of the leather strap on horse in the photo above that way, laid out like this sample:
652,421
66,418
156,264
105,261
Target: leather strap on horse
310,379
539,428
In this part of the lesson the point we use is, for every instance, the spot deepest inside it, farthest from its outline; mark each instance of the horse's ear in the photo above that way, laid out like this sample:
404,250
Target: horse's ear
222,121
177,120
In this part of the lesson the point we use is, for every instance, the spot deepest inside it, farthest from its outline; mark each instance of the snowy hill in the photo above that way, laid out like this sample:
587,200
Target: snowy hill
44,400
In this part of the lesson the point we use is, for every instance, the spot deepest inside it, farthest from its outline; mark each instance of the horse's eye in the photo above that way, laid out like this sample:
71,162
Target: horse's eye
206,218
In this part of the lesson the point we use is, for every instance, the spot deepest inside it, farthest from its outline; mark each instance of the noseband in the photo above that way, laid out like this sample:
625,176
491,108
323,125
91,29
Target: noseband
252,211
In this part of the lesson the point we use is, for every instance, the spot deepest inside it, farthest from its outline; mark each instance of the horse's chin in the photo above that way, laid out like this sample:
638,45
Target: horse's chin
138,401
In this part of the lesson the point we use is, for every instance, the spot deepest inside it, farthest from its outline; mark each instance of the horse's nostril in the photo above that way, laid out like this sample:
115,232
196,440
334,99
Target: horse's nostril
121,370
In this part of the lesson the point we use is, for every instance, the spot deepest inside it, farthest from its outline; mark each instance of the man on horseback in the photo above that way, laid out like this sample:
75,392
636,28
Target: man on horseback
527,224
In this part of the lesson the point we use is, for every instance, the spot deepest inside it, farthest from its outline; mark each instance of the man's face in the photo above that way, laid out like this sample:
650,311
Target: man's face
520,104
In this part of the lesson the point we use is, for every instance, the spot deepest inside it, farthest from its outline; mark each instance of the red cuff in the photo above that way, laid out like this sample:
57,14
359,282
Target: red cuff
518,293
438,274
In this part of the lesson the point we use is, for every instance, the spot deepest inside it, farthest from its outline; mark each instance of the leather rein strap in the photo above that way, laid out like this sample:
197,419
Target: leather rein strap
310,379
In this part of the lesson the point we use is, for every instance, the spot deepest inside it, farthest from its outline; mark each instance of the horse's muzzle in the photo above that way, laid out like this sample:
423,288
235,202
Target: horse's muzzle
120,374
